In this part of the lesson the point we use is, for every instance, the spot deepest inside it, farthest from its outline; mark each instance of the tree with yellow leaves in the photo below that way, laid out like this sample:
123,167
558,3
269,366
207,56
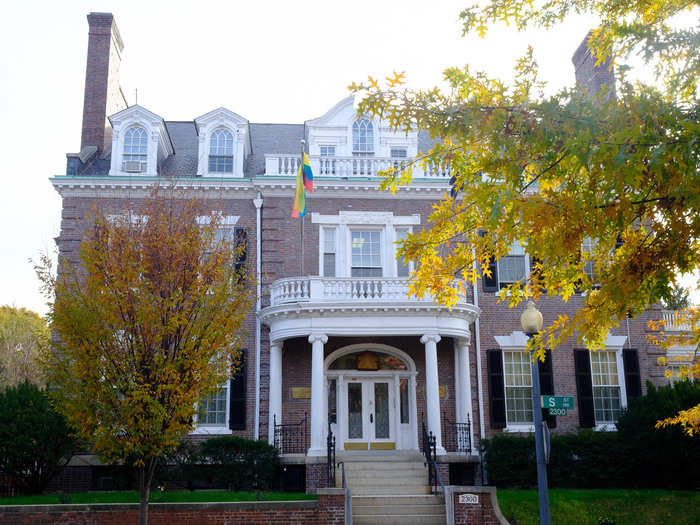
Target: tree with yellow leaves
146,325
600,188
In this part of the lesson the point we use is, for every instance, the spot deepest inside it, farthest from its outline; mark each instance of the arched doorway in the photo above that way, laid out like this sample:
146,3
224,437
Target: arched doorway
372,398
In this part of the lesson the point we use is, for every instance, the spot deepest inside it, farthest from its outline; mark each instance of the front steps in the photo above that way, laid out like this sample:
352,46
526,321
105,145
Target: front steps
391,488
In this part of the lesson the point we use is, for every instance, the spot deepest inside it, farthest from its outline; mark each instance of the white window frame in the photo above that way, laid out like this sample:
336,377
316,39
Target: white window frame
371,125
232,134
519,426
526,264
515,342
411,267
322,250
347,221
214,428
613,343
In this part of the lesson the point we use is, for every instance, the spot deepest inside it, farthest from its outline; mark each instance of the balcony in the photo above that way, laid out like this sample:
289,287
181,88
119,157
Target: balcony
349,167
676,321
342,289
351,306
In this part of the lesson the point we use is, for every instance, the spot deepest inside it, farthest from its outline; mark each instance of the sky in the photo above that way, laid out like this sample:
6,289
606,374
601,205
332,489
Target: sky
268,61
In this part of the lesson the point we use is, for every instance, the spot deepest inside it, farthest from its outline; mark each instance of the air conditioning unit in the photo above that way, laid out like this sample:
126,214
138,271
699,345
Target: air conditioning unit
134,166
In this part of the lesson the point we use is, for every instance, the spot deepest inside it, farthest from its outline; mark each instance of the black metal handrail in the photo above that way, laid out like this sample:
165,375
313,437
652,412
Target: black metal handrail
292,438
430,453
330,456
456,437
341,464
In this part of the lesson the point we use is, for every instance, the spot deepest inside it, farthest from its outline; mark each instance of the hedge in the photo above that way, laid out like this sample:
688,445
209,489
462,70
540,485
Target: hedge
636,456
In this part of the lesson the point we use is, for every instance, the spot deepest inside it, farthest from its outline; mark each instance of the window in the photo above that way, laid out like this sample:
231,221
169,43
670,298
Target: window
327,164
403,394
329,252
518,387
511,268
221,151
680,372
366,254
332,401
212,410
402,269
362,137
587,247
606,387
135,150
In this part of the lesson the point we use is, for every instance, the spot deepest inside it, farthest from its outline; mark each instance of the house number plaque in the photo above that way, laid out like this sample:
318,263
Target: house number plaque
469,499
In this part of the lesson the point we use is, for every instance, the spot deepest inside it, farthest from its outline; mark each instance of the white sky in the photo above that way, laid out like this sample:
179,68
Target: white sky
269,61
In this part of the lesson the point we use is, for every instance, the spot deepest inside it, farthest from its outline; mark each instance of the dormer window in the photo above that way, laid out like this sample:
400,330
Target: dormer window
221,152
362,137
135,150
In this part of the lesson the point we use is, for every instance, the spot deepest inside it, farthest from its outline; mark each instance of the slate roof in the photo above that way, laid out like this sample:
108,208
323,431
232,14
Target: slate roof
264,138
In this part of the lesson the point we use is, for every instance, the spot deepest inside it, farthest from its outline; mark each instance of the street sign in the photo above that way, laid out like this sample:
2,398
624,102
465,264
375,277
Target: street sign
561,402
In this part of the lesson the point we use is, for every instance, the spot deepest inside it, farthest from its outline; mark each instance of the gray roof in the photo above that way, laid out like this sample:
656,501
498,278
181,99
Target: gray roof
271,138
264,138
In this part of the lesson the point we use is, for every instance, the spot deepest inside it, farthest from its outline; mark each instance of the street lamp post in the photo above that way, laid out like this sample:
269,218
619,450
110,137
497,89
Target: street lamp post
531,322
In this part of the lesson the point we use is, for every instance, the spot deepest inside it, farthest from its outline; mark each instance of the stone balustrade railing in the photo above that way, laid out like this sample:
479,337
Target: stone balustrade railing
347,167
340,289
675,321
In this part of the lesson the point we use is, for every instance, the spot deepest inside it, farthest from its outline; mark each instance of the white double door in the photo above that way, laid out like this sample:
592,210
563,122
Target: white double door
369,413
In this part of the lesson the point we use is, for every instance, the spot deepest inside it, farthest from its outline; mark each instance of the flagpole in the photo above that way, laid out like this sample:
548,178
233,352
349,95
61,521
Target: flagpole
304,216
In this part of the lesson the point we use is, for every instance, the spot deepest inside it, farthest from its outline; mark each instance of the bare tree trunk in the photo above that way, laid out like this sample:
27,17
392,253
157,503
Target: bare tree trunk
145,479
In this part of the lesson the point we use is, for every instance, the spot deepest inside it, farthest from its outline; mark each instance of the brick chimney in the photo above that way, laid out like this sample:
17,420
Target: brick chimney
103,95
588,75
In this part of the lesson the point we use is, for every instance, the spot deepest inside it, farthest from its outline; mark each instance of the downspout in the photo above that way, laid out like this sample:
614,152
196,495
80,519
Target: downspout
477,341
257,202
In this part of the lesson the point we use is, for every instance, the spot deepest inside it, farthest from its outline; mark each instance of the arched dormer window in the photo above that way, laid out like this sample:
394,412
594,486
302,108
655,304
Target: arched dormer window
135,150
362,137
221,151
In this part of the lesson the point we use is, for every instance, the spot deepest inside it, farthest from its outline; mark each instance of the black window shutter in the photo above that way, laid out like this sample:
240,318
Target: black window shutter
547,386
237,395
241,239
584,388
633,380
491,283
497,394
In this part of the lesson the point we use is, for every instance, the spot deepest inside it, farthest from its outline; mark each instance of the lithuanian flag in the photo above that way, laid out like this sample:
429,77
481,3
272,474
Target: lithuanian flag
305,179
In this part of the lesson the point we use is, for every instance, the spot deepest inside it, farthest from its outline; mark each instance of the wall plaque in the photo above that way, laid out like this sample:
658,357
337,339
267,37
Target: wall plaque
443,391
301,392
469,499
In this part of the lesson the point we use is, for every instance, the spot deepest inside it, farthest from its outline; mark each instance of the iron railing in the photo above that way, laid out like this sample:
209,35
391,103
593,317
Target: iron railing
292,438
430,453
330,457
456,437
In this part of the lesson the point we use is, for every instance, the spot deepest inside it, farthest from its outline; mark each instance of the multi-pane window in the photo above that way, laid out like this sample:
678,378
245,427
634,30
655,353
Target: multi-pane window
606,387
327,160
402,269
587,247
332,401
366,254
212,409
329,252
518,387
362,137
135,149
511,268
221,151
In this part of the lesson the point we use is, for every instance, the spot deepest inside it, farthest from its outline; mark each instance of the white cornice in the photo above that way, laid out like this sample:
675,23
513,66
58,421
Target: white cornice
211,187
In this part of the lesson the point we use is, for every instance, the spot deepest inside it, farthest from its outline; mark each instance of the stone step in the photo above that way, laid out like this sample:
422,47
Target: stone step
391,519
376,457
384,467
403,510
390,491
392,482
417,499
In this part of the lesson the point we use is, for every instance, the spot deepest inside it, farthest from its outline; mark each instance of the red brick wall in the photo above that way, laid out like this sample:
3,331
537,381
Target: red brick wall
329,509
485,512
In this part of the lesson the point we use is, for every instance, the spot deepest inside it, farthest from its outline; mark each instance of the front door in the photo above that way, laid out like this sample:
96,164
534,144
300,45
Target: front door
370,410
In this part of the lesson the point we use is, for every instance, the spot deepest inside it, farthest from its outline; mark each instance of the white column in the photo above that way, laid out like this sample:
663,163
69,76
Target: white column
319,413
275,401
432,388
463,380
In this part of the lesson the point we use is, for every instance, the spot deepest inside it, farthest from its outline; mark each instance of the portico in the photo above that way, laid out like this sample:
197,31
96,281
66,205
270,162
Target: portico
368,391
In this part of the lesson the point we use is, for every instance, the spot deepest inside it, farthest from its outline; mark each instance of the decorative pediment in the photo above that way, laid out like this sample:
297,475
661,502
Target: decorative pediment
220,117
134,113
517,340
340,114
229,122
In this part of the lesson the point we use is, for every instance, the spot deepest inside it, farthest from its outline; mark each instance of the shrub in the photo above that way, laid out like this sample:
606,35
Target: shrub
229,462
664,455
638,455
242,464
35,441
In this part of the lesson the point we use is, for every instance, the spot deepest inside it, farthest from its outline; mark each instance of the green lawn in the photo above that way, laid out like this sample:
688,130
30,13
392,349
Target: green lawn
587,507
169,496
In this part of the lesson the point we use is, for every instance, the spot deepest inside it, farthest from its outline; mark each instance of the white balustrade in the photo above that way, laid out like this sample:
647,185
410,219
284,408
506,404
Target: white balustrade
674,321
348,167
340,289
